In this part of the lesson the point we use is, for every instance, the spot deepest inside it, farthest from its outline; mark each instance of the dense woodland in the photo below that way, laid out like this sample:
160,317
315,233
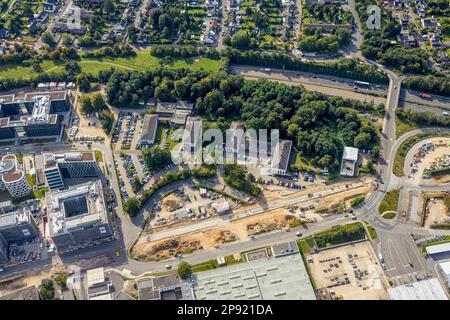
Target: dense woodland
433,84
319,125
315,40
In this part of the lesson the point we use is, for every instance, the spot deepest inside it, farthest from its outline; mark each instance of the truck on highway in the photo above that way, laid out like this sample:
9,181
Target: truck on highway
361,84
425,96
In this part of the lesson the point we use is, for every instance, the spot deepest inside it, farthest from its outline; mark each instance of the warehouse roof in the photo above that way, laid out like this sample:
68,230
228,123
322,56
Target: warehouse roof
264,279
422,290
438,248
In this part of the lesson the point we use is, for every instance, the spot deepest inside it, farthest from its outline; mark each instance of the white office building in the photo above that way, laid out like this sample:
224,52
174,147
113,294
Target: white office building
12,178
349,161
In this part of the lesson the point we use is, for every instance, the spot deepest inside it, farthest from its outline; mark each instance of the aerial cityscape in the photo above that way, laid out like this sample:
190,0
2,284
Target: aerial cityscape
224,150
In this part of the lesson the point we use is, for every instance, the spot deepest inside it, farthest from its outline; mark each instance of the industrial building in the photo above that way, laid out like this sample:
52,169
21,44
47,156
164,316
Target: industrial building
78,217
12,178
429,289
15,227
73,165
280,278
445,269
34,115
439,251
349,161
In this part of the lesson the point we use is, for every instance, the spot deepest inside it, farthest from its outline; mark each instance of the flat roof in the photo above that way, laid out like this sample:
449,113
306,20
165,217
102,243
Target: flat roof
429,289
95,276
285,248
149,127
438,248
28,293
445,266
283,278
350,154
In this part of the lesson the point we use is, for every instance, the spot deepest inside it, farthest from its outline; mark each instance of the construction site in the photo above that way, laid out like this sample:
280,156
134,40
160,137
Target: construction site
436,212
306,208
349,272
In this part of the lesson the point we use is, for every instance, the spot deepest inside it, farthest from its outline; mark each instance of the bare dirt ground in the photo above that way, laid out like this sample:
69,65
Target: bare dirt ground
209,238
361,275
84,129
240,228
438,213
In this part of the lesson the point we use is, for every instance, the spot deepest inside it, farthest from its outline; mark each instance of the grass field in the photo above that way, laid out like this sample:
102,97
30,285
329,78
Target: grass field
389,202
402,127
389,215
143,61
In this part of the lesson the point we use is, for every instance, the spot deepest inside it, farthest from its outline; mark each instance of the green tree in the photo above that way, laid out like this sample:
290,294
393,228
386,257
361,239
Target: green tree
109,7
61,279
86,104
184,269
98,104
84,82
240,39
157,158
67,40
131,206
28,12
48,39
46,290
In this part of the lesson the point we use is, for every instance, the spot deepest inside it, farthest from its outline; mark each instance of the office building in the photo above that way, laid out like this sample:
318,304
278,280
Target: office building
12,178
78,217
349,161
33,115
73,165
14,227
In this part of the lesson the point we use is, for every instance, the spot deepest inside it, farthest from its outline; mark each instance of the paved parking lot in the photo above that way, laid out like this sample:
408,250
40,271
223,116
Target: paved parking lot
401,256
349,272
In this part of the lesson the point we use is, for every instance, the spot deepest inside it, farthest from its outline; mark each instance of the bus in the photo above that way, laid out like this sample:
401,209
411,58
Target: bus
362,84
380,257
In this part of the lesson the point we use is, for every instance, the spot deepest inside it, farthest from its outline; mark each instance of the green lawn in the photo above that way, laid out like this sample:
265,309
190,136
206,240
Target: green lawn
403,127
91,67
389,202
389,215
372,231
160,132
208,265
143,61
15,72
197,64
98,156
